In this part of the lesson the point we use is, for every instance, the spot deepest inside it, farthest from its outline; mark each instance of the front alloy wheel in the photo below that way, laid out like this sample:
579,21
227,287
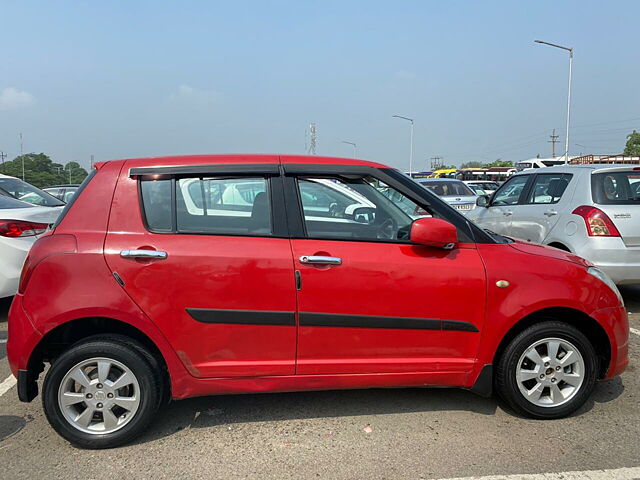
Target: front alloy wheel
551,372
547,371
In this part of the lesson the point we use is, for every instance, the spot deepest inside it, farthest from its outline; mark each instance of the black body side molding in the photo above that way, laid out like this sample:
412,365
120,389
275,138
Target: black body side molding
242,317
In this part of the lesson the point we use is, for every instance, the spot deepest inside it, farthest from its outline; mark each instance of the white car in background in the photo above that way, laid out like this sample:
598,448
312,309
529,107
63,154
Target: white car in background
20,226
21,190
455,192
590,210
486,186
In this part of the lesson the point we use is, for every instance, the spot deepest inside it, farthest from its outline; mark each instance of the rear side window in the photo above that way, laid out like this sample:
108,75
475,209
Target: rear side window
548,188
156,198
616,188
208,205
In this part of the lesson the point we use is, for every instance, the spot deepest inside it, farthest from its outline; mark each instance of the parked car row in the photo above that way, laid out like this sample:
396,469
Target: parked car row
183,276
590,210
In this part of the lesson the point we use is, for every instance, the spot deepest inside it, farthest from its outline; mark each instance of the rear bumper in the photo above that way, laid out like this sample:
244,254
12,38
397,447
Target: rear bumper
23,337
616,323
612,256
13,253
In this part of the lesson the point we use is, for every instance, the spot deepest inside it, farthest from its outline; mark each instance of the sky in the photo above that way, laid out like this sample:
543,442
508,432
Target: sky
122,79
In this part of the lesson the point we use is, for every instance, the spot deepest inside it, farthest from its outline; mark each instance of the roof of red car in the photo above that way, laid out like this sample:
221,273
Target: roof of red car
176,160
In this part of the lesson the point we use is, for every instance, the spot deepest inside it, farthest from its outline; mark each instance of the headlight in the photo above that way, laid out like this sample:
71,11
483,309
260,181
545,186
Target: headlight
604,278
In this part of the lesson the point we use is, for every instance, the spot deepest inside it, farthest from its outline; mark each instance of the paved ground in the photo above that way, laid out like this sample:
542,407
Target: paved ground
372,434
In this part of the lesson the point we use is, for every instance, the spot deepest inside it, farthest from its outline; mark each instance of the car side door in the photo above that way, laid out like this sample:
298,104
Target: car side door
539,210
204,252
498,214
369,301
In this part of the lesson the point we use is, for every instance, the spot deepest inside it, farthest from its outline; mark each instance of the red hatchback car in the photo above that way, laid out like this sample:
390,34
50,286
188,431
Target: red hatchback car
183,276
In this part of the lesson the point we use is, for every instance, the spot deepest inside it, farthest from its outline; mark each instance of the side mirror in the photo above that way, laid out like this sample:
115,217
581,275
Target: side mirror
434,232
483,201
364,215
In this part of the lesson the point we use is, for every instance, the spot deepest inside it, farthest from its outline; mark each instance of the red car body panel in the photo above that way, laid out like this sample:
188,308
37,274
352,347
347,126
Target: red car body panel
389,280
455,287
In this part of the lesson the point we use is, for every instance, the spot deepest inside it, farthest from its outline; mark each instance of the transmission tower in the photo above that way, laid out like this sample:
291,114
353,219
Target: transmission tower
436,163
553,141
312,139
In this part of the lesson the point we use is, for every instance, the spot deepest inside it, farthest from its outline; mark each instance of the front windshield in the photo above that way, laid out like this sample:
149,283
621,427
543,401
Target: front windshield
448,188
28,193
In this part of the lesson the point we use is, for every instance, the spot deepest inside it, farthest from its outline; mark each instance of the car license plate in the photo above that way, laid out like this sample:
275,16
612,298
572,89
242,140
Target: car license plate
465,206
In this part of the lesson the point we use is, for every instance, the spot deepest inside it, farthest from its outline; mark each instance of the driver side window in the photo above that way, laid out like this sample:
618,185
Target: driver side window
510,192
361,208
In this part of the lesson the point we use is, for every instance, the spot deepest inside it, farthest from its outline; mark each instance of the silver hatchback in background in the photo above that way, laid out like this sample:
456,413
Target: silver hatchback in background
590,210
455,192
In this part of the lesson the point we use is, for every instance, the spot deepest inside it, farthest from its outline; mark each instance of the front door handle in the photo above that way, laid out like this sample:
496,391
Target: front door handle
507,214
320,260
550,213
146,254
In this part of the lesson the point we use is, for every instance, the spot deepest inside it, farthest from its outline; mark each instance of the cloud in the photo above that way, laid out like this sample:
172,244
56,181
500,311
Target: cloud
13,99
187,94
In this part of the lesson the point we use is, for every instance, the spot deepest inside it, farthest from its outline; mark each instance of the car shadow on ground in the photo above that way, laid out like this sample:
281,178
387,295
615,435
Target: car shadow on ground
230,410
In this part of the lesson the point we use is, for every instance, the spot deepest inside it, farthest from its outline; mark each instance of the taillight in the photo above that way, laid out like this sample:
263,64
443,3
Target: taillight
45,247
21,228
597,222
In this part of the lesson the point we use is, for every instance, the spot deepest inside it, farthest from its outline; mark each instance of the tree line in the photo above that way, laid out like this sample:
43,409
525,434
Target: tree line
41,171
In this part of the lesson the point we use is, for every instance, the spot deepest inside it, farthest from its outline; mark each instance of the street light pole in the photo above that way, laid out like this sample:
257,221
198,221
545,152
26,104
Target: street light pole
410,142
22,157
570,50
355,147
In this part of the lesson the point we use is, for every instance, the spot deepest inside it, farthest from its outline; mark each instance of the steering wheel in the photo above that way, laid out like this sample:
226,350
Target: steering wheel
388,229
334,210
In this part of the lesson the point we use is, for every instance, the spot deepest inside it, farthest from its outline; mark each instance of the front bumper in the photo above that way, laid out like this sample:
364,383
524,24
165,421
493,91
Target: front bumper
616,323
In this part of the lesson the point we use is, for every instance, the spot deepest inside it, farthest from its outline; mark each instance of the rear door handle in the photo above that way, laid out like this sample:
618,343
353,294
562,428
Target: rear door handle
320,260
148,254
550,213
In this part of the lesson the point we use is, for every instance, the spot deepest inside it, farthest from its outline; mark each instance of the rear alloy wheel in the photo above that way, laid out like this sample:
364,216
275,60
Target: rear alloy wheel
547,371
101,392
99,395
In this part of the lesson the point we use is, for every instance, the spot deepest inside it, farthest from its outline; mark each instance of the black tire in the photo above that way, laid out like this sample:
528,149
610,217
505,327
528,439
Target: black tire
121,349
506,366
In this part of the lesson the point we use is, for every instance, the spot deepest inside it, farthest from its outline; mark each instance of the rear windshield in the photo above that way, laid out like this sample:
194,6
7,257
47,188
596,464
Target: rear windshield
443,189
28,193
7,203
616,188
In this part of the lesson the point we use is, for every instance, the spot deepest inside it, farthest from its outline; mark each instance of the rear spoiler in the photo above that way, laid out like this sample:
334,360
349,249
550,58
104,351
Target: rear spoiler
620,168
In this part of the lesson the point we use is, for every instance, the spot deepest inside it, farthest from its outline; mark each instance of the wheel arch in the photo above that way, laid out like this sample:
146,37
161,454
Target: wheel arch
590,327
60,338
560,246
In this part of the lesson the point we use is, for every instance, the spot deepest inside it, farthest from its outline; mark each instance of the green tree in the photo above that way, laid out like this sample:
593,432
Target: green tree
41,171
500,163
633,144
472,165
